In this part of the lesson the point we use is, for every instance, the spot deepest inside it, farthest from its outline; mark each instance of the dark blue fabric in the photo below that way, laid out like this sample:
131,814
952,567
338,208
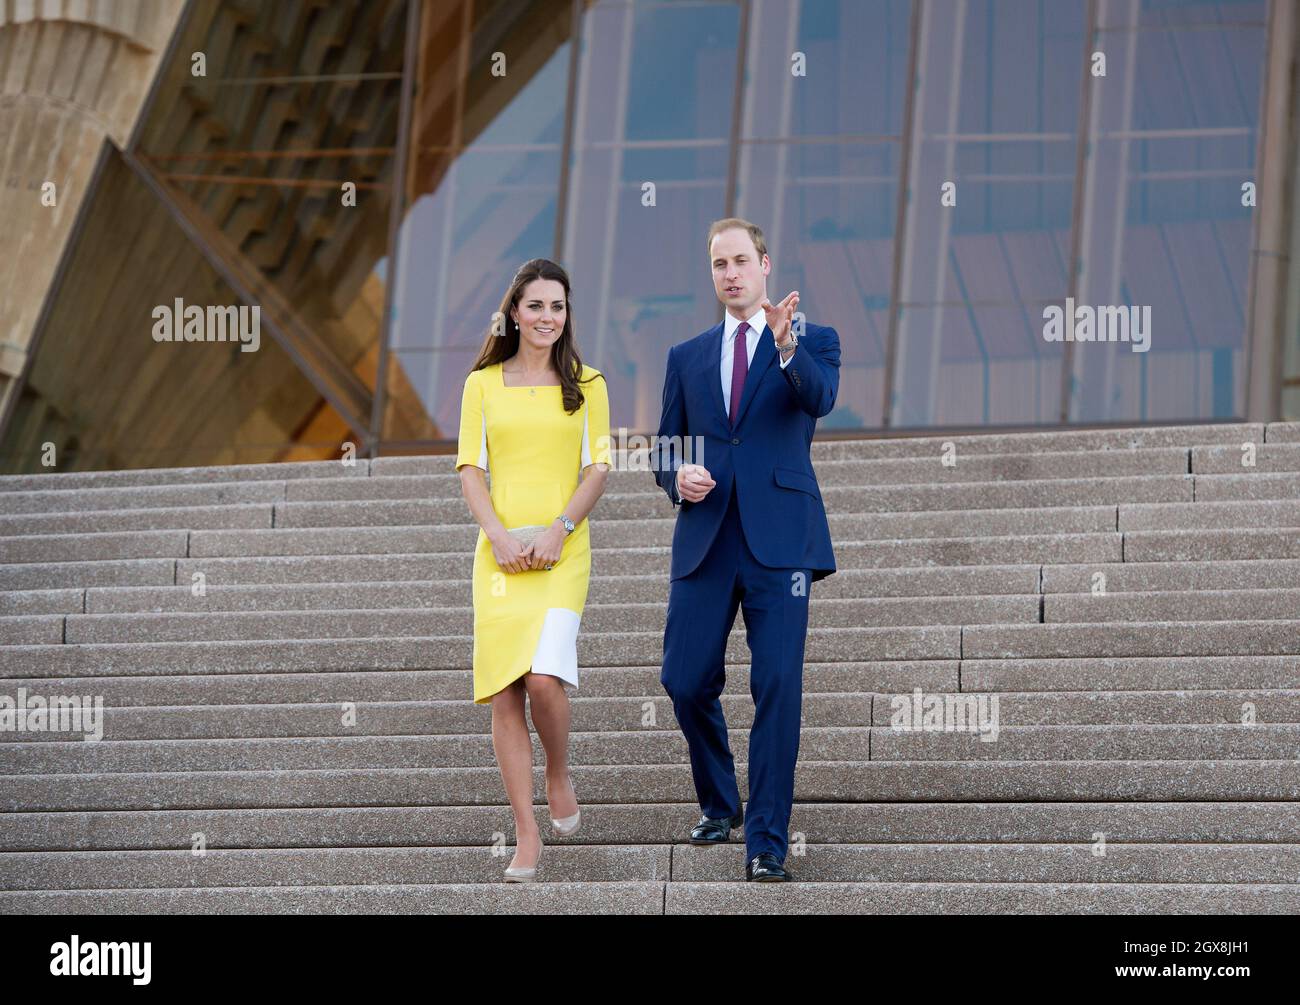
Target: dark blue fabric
701,611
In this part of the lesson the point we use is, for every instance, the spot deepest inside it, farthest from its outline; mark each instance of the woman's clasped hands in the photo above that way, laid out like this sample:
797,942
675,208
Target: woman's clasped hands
513,556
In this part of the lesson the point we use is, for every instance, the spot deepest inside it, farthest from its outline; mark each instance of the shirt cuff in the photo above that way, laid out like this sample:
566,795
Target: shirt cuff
785,362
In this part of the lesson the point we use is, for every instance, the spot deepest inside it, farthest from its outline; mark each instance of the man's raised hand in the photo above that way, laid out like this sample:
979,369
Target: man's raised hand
780,317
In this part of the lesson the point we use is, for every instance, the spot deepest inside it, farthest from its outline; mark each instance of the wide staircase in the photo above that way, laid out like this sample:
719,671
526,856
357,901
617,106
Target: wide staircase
283,654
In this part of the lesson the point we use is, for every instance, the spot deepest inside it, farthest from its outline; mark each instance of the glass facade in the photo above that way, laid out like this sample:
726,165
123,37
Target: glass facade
931,175
931,232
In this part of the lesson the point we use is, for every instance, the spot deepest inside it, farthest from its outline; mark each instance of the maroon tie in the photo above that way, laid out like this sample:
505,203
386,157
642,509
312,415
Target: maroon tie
739,369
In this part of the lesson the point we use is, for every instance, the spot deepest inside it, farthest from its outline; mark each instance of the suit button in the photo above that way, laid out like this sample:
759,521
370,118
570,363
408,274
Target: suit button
734,441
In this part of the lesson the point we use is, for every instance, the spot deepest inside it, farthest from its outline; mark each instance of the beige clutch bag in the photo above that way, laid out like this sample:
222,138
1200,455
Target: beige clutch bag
526,535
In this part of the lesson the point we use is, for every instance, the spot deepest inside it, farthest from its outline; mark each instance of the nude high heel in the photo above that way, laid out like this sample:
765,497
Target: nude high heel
566,826
528,875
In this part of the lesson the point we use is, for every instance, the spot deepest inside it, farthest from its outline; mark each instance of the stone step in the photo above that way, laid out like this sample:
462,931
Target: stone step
341,580
45,548
873,781
29,602
644,714
428,653
1212,638
1164,639
382,619
983,581
454,621
1006,641
1125,673
888,677
651,565
683,863
1227,458
608,533
1245,515
427,540
1133,742
845,584
646,746
1131,438
233,516
679,898
1039,466
145,498
35,575
1130,821
1145,742
612,560
1216,605
1196,546
442,496
1219,488
83,574
437,481
31,630
604,533
447,718
929,466
642,498
207,546
84,481
1131,576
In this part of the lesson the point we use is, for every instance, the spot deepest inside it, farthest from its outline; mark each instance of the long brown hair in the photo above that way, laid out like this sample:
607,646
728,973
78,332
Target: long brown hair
500,344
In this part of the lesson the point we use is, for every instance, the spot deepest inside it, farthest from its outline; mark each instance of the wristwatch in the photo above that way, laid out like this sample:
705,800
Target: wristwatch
794,341
568,524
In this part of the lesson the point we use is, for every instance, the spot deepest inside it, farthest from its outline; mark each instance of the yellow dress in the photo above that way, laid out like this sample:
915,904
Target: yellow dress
534,453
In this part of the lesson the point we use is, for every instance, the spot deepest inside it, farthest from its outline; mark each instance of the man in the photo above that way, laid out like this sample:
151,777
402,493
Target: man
751,531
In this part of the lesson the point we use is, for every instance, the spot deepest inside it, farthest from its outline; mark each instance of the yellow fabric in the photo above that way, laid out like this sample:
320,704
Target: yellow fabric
534,461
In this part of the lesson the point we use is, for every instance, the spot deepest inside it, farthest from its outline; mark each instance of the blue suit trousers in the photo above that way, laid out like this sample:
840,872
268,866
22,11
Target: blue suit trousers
701,612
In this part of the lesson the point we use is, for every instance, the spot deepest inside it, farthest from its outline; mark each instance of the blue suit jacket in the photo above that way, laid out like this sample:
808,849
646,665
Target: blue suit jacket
766,454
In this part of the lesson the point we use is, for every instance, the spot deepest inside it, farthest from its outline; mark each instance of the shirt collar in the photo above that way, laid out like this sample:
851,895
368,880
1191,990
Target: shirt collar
756,324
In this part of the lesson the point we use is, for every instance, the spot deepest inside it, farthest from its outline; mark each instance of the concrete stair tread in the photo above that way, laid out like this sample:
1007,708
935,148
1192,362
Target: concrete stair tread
1038,821
680,898
574,862
1065,742
861,708
916,781
1136,438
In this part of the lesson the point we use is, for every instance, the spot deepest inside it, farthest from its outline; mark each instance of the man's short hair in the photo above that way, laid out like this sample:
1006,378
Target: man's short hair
718,226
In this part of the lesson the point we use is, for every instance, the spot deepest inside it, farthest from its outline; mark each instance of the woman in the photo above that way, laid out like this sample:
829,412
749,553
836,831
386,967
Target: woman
533,416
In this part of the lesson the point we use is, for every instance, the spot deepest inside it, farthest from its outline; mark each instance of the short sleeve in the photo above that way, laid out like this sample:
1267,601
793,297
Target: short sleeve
472,448
595,430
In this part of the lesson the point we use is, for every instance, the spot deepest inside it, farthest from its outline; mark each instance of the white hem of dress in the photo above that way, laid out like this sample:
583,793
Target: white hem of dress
557,646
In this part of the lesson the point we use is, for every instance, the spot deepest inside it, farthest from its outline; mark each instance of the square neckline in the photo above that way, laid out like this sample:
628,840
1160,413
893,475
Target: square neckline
501,371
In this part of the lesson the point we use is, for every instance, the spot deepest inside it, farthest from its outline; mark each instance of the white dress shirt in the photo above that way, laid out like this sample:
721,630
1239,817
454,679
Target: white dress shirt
756,326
